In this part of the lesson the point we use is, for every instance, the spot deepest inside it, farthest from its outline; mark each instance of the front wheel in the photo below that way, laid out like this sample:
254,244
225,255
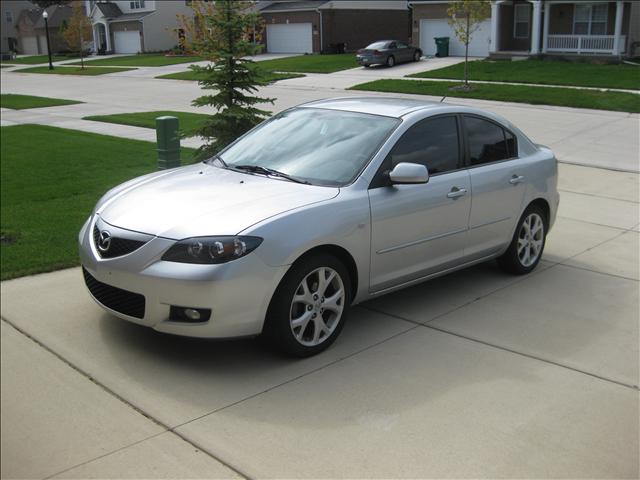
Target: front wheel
310,306
527,245
416,56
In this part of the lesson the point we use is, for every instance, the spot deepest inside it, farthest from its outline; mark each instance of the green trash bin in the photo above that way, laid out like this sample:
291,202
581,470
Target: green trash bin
442,46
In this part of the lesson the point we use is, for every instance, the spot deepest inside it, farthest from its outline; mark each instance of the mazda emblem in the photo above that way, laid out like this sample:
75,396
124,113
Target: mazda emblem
104,242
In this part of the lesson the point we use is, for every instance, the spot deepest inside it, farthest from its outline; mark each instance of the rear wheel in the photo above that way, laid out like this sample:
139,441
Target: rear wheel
527,245
310,306
391,61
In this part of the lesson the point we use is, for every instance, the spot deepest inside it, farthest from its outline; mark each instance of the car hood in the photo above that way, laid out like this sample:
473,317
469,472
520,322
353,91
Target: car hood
201,200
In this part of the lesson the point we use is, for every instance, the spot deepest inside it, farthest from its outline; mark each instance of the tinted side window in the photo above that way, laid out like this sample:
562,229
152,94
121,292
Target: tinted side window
487,142
433,143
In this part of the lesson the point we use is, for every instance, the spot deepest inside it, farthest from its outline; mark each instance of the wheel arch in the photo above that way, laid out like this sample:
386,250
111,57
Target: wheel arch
341,254
543,204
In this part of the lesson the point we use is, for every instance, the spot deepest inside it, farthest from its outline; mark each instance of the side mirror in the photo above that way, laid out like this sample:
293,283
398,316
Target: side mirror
408,173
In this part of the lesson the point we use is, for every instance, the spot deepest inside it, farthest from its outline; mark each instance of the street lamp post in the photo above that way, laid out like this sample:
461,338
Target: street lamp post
45,15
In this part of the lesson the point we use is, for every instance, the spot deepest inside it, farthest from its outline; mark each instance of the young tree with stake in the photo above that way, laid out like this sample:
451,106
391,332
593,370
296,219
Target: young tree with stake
77,30
465,17
223,32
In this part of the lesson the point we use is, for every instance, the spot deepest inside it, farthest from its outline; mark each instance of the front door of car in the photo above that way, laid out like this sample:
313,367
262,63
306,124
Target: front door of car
405,53
420,229
498,180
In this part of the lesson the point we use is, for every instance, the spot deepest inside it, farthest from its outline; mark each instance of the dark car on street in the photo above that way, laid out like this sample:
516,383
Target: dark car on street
388,52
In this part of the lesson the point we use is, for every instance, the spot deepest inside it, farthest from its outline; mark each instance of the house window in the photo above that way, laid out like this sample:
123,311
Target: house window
522,17
590,19
136,4
8,16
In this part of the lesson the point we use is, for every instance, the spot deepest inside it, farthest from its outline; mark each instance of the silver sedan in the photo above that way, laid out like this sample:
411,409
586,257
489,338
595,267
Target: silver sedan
319,208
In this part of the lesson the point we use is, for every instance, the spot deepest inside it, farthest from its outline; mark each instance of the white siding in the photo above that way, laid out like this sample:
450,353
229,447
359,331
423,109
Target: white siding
159,27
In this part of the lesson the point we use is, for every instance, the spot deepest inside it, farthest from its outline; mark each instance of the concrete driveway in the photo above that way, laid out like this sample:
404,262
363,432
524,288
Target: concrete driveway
476,374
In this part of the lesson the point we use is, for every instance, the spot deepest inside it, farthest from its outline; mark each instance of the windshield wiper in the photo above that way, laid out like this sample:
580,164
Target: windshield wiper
267,171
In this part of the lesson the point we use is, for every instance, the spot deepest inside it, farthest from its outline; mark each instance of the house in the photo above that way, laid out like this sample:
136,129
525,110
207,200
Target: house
32,33
316,26
135,26
536,27
10,11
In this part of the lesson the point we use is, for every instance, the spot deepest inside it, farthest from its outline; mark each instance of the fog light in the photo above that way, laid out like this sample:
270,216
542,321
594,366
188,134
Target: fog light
189,314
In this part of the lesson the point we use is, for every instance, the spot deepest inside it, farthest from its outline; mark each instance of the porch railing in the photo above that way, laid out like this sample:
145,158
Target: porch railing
584,43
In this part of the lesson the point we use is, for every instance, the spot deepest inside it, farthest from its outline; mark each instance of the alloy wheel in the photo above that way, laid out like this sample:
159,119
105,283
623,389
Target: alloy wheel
317,305
530,239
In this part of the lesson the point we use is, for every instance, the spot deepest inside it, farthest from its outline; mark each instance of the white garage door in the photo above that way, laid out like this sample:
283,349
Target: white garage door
30,45
430,28
126,42
289,38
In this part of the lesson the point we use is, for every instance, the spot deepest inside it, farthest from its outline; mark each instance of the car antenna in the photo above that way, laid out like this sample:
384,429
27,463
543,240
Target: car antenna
443,99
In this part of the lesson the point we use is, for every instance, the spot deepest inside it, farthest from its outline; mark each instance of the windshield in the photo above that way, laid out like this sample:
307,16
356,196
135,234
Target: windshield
377,46
325,147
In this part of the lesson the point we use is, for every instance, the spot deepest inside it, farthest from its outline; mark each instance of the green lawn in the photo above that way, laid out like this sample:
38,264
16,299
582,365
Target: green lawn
566,97
188,121
50,181
267,76
74,70
36,59
142,60
311,63
547,72
21,102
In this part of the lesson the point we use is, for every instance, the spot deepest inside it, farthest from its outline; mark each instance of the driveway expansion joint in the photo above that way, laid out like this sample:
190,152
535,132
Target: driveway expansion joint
521,279
109,391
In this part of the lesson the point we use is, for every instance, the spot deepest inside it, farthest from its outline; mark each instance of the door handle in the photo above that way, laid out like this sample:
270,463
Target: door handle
457,192
516,179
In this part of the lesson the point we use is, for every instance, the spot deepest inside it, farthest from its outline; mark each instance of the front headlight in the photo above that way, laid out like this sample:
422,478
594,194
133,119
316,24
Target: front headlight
211,250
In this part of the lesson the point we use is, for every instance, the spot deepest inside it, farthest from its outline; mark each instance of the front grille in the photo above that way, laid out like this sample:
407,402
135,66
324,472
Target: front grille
117,247
123,301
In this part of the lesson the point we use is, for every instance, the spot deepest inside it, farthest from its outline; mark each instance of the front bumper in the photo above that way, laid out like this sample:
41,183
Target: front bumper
237,293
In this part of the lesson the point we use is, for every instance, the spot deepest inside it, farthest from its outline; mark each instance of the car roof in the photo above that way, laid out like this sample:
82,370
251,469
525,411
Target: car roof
386,106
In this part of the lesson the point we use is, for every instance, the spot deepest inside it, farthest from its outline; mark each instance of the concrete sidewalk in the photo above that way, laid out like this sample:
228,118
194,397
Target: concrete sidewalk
61,119
476,374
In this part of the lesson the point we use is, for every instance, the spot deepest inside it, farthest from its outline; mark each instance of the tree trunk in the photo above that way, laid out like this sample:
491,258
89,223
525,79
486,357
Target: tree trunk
466,53
231,60
81,57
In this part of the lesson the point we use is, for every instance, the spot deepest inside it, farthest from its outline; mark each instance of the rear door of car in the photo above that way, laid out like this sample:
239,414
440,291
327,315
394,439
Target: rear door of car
498,180
420,229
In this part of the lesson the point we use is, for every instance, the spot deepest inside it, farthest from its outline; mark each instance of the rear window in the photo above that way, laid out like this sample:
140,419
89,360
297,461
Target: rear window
377,45
487,142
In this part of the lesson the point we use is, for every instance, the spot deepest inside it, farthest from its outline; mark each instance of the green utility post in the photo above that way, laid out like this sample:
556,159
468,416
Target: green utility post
168,142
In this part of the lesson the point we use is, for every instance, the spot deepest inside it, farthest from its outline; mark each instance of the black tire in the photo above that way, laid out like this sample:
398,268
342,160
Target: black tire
278,330
391,61
510,261
417,55
366,66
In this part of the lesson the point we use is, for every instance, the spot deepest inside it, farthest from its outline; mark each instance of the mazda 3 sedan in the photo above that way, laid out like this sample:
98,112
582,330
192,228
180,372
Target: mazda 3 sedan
320,207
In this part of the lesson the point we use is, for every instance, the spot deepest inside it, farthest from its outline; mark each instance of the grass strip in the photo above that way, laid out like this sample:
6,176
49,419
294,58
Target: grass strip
564,97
